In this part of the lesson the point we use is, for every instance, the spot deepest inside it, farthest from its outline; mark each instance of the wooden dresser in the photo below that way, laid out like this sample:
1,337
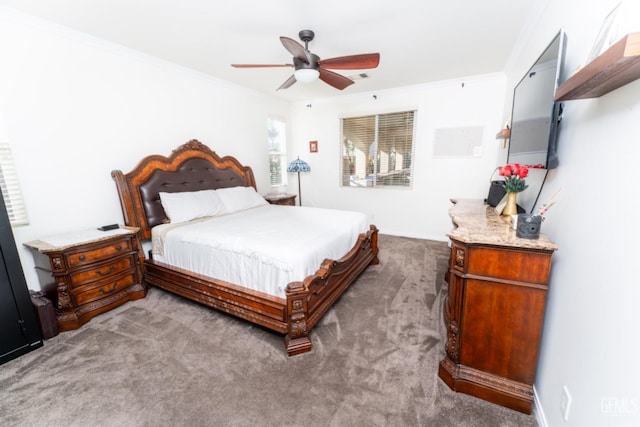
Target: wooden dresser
495,307
93,271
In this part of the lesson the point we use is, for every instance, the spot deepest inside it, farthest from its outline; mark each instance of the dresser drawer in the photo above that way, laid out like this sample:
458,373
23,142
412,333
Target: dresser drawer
107,251
520,265
104,288
100,271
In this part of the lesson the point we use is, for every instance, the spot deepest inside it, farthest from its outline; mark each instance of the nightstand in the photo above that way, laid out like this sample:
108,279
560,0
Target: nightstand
93,271
281,199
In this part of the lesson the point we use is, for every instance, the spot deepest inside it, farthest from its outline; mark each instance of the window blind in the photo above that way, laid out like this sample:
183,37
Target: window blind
10,185
377,150
277,145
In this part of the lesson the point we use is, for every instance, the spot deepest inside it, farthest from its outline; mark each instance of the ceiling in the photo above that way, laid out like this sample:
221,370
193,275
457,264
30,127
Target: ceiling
418,40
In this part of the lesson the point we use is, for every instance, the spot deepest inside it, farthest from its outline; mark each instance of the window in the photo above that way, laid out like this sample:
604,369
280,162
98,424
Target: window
10,186
377,150
277,140
9,183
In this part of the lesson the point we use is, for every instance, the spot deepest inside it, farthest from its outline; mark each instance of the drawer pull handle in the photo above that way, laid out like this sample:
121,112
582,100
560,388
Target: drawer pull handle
119,248
82,258
105,273
107,290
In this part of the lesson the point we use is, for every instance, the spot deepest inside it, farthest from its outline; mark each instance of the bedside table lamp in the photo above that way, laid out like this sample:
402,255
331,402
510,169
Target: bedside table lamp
299,166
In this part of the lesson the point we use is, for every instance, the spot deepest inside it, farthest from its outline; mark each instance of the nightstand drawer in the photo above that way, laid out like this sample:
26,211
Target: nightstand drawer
98,254
99,272
104,288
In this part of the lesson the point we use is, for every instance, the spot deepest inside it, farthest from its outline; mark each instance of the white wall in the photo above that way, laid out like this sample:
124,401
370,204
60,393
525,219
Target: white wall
591,336
422,210
75,108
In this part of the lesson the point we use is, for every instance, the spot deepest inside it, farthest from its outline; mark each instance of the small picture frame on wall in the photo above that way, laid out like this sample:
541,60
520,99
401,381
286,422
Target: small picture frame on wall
313,146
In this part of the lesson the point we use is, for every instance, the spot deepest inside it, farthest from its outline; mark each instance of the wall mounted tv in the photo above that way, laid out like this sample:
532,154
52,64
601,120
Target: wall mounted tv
535,116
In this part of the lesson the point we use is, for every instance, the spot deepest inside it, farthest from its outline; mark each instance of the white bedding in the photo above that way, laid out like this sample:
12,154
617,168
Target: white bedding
262,248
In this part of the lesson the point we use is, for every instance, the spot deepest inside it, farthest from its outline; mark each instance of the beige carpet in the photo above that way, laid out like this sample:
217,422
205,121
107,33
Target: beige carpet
163,361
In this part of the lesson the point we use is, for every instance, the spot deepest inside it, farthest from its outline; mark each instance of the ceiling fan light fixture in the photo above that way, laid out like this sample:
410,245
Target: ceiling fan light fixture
308,67
306,75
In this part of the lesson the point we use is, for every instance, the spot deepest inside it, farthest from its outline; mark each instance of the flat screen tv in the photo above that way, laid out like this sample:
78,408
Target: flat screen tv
535,116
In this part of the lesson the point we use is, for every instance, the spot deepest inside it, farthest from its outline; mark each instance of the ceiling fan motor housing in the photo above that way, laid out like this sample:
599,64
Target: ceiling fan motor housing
301,65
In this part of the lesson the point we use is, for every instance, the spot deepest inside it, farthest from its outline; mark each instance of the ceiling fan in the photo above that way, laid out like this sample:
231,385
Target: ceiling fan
309,67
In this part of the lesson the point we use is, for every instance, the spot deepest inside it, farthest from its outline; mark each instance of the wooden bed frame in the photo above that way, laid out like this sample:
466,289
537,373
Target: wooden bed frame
192,167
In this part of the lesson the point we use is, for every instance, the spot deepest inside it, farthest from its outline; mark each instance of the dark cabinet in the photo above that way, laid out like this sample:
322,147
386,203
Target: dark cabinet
19,328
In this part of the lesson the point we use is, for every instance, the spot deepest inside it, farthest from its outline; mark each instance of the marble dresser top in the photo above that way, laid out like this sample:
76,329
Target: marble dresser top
477,222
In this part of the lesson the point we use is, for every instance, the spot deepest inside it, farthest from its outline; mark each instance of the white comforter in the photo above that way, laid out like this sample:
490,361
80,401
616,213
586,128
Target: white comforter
262,248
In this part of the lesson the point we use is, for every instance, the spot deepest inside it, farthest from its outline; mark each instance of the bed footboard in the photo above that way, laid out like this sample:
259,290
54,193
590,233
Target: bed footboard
309,300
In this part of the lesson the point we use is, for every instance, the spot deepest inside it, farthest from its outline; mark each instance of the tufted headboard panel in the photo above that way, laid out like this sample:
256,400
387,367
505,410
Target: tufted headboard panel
191,167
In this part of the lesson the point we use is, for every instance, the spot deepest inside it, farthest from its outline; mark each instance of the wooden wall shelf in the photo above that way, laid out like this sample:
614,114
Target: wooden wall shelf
617,66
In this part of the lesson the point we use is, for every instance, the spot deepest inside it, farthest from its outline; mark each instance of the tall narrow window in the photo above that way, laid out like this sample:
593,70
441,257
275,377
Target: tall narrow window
9,183
377,150
277,140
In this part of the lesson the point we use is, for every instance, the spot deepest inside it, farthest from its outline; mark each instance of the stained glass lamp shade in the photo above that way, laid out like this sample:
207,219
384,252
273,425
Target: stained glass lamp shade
298,166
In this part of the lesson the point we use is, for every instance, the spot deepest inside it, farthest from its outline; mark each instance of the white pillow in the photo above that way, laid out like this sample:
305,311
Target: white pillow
188,205
239,198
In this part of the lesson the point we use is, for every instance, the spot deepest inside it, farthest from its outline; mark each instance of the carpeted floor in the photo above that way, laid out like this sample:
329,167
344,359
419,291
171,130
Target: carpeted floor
163,361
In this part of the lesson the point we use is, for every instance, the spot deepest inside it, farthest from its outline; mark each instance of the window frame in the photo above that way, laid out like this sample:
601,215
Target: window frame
280,151
391,160
11,193
9,183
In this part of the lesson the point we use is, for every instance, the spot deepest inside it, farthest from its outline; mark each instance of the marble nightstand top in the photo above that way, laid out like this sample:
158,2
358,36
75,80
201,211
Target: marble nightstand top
64,241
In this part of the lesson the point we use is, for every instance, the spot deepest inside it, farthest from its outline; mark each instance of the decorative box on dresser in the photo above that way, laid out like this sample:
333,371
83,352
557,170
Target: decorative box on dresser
495,306
93,271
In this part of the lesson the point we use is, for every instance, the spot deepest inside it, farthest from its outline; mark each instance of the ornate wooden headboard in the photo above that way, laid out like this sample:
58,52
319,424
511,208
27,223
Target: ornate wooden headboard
191,167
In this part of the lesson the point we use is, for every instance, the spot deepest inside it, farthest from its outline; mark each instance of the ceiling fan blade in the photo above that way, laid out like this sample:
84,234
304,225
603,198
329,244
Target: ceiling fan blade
290,81
296,49
352,62
334,79
260,65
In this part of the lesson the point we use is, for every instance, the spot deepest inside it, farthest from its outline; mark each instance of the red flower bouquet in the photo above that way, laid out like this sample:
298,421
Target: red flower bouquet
514,176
